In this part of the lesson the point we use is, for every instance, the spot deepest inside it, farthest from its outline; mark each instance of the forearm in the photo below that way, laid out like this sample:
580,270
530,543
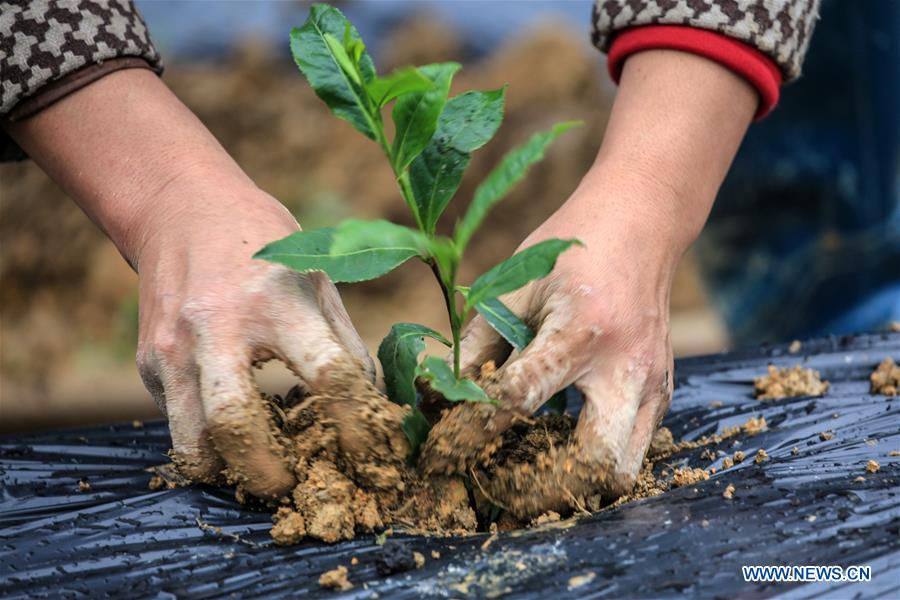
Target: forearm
117,146
676,124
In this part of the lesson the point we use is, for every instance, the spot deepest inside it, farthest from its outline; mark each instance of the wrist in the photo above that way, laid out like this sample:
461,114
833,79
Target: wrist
641,210
200,206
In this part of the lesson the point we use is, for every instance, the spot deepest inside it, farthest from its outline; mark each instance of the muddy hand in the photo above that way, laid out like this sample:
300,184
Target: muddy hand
208,312
187,218
602,316
602,324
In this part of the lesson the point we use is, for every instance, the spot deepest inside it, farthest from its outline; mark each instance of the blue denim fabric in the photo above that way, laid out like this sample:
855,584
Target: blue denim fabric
804,238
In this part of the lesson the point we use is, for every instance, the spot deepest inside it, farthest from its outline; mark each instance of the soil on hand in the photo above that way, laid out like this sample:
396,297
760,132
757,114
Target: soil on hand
789,383
885,379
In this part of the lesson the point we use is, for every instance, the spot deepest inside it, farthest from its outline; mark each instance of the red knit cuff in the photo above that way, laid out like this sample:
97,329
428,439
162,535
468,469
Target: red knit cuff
748,62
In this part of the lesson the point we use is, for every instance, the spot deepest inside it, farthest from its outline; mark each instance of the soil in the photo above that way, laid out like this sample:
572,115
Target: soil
336,579
348,454
885,379
789,383
349,457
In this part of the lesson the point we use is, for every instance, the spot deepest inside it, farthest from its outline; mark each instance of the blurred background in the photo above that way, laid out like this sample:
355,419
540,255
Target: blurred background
68,302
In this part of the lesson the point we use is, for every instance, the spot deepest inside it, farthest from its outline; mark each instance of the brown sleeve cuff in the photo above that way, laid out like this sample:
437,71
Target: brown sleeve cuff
57,90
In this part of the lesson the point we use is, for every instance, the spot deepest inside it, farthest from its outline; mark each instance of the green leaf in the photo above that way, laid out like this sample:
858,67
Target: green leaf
434,177
343,59
353,46
504,177
531,263
440,377
416,114
324,66
505,322
416,428
468,122
374,248
352,251
398,353
402,81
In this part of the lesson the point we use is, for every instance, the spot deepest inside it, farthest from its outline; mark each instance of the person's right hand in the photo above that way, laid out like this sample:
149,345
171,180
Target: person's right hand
208,312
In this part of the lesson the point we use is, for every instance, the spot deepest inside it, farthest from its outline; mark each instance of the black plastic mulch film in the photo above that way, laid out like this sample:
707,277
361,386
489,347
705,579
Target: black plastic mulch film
120,539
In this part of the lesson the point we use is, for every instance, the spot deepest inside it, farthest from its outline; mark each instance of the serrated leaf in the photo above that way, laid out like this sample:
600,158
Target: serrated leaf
399,353
416,427
504,177
321,64
467,122
434,177
352,251
402,81
416,114
505,322
531,263
470,120
440,377
375,247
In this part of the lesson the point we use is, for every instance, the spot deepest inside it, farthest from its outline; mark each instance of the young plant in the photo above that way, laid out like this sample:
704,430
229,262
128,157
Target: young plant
435,136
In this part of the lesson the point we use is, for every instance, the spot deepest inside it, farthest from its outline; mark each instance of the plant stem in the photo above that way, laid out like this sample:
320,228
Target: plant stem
455,318
407,193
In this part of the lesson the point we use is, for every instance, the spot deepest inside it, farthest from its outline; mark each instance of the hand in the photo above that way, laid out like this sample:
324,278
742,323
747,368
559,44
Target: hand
601,316
186,217
208,312
601,320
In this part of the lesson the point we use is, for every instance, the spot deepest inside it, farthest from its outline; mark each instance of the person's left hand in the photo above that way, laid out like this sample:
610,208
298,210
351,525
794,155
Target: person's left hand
601,319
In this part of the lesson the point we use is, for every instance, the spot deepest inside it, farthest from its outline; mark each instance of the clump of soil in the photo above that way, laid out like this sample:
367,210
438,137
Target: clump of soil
349,457
789,383
885,380
689,476
336,579
397,557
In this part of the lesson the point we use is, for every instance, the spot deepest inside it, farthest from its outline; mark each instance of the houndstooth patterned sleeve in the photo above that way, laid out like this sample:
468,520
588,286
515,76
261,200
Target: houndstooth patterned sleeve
50,48
780,29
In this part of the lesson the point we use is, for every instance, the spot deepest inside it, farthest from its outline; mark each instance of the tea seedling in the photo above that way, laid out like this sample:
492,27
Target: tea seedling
435,136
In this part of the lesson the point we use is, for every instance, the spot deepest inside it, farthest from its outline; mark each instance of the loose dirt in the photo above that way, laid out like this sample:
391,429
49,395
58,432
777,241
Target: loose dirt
336,579
789,383
885,379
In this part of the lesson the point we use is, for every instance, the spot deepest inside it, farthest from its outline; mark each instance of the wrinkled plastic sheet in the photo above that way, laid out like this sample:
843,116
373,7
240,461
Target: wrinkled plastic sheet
120,539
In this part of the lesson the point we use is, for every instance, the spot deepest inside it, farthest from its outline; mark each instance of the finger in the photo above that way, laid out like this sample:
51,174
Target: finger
310,347
332,308
238,424
616,419
368,425
552,361
646,422
194,453
479,344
